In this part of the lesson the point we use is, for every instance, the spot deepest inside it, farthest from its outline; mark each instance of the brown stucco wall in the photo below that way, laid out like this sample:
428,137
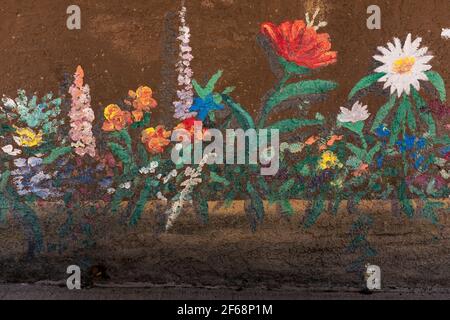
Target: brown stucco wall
412,253
123,44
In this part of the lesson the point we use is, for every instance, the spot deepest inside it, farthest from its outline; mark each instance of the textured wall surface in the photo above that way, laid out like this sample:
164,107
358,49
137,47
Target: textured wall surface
125,44
413,254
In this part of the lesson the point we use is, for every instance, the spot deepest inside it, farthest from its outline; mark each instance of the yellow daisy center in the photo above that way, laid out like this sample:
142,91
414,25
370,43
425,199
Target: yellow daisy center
404,65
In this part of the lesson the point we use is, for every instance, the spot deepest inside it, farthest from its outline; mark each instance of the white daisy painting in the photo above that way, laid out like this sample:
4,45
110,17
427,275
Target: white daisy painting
356,114
404,69
404,65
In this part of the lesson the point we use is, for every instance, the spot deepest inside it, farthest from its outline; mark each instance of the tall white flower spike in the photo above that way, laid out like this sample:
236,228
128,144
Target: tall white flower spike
185,92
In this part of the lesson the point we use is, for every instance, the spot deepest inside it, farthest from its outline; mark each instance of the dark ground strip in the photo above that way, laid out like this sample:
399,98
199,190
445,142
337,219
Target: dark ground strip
140,291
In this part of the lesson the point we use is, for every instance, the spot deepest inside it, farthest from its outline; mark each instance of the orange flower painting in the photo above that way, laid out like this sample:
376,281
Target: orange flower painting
116,118
142,101
298,43
156,139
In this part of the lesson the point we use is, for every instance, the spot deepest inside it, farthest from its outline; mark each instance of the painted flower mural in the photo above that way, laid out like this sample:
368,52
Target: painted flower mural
408,134
32,130
31,140
393,152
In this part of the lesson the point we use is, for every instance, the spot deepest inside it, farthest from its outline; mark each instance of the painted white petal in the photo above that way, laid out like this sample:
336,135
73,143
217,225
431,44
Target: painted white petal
408,89
17,140
423,68
7,149
421,52
389,82
416,43
416,84
407,47
382,59
422,76
393,89
384,51
445,33
9,103
398,43
424,59
382,68
404,85
391,47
